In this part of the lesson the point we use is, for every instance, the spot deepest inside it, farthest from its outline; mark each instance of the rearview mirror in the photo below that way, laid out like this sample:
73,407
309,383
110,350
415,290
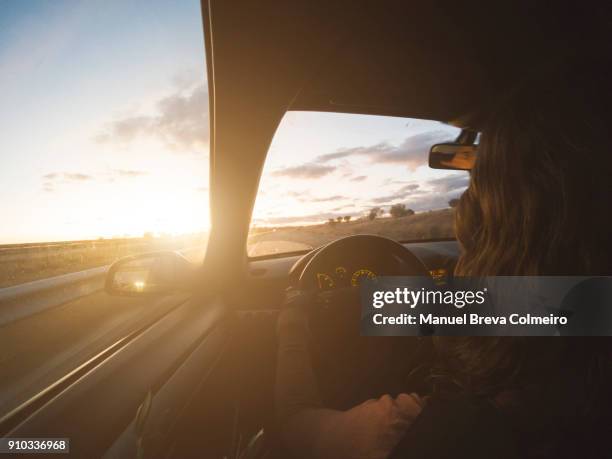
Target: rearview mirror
452,156
149,274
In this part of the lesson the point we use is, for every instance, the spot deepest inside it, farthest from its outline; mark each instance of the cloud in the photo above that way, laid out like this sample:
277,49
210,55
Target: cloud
439,191
449,183
331,198
66,177
344,152
410,187
125,130
76,177
181,122
404,192
53,179
305,171
187,78
306,196
295,194
48,187
412,152
129,173
336,155
388,199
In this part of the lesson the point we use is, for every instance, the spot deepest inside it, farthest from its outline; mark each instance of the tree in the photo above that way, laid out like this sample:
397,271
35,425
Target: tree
339,219
347,218
399,210
375,212
331,222
453,202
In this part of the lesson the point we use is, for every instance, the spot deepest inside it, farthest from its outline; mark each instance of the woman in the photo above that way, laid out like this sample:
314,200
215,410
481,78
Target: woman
537,204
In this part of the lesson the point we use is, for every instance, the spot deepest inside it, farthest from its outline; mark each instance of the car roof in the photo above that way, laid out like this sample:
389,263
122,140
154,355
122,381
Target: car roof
445,60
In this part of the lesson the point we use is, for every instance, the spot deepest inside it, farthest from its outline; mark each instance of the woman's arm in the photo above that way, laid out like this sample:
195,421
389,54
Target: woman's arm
369,430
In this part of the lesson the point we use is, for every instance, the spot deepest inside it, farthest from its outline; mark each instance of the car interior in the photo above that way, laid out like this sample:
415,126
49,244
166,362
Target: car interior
199,381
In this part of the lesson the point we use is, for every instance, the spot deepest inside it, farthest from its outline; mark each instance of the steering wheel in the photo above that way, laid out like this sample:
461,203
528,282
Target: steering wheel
345,362
395,259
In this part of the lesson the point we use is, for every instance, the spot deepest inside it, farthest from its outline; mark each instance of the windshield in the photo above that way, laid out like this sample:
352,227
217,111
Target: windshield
329,175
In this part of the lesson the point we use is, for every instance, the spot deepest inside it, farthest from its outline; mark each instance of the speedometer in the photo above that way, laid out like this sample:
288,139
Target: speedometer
360,275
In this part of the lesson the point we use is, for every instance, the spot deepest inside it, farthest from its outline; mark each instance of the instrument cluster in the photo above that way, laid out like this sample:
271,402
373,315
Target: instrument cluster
341,278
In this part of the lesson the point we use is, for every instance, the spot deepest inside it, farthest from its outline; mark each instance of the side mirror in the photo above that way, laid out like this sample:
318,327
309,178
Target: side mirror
452,156
152,273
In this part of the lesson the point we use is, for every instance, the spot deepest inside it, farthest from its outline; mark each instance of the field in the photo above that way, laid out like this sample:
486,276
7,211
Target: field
424,225
28,262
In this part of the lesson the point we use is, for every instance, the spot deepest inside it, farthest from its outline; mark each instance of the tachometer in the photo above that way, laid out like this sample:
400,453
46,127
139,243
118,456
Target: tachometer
360,275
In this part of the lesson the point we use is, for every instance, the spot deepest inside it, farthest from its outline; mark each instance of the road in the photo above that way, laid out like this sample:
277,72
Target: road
38,350
271,247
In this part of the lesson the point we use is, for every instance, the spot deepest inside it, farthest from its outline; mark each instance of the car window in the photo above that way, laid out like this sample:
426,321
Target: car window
329,175
103,154
104,133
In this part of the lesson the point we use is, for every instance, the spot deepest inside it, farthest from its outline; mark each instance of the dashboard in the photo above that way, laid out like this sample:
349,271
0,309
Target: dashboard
269,277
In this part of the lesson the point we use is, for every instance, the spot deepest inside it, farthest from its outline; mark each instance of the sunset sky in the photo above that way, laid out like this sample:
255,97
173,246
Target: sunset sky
105,132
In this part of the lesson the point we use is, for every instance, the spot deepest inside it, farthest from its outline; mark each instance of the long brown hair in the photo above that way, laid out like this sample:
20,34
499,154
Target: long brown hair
538,203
